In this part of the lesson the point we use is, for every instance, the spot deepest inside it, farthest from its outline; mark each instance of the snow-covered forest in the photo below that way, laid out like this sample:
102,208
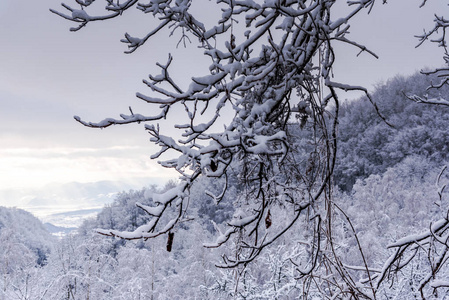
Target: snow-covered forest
285,189
386,183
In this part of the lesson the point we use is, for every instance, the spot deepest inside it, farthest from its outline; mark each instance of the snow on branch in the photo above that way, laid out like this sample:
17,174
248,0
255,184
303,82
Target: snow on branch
269,62
175,196
426,100
81,16
437,35
433,243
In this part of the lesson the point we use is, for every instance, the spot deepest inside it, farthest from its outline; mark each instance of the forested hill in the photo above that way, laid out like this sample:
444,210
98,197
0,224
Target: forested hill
367,145
387,175
21,232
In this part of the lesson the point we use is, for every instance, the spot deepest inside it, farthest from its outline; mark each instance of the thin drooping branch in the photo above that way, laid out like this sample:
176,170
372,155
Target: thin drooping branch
279,67
437,35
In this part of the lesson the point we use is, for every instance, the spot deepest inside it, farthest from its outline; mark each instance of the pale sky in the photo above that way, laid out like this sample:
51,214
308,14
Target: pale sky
48,75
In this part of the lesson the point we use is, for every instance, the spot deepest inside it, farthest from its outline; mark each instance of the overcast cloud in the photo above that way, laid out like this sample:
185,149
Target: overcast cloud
48,74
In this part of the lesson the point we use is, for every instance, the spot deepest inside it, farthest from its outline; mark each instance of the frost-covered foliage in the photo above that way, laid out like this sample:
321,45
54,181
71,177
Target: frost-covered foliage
89,265
401,201
18,226
122,213
25,247
367,145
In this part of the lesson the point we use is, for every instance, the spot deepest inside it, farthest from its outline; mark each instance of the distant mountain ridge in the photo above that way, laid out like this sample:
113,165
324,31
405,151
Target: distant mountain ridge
99,192
68,204
58,230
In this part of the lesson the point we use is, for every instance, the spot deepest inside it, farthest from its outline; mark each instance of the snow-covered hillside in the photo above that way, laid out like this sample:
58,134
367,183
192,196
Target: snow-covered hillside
389,189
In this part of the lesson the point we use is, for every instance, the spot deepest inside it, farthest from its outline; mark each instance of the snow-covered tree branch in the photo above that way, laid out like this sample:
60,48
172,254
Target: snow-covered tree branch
271,65
437,35
428,249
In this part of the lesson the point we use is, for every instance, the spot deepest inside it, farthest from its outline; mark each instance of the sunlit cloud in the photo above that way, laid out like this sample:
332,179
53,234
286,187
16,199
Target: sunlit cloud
37,167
